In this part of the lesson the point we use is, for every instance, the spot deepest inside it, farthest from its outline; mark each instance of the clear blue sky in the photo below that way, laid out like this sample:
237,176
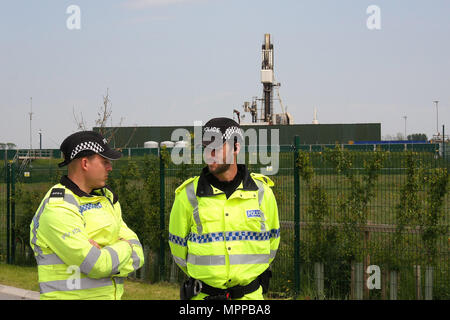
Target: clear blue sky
171,62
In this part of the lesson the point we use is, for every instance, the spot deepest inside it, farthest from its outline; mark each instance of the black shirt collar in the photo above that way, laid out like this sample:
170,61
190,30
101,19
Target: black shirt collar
69,184
204,188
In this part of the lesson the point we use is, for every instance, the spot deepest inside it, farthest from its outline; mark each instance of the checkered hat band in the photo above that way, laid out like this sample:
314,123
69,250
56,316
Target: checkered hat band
232,132
89,145
229,132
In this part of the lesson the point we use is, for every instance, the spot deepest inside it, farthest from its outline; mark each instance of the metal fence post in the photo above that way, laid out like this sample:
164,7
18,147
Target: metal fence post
319,279
417,275
8,213
296,217
443,142
393,286
429,283
13,213
162,224
358,281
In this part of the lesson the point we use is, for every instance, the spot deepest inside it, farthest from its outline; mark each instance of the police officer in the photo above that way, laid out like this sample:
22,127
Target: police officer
83,248
224,230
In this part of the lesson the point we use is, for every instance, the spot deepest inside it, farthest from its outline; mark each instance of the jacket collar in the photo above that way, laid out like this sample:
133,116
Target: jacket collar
204,189
69,184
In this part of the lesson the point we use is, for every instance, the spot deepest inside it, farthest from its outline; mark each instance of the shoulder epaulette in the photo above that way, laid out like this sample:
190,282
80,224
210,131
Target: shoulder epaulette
59,196
57,193
184,184
262,178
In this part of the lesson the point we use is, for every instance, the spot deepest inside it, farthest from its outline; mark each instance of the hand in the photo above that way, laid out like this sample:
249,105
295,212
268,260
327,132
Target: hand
95,244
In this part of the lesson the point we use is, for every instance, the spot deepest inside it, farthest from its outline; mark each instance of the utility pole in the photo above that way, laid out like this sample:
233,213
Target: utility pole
443,141
405,117
437,116
40,142
31,118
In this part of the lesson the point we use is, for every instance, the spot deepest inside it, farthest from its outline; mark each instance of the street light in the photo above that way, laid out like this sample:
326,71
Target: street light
40,139
404,117
437,116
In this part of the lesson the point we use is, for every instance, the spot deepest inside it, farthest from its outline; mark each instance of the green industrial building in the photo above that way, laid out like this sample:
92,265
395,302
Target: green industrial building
135,137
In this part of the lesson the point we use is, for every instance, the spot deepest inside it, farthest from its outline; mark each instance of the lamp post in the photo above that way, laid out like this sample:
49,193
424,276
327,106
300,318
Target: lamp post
405,117
437,116
40,142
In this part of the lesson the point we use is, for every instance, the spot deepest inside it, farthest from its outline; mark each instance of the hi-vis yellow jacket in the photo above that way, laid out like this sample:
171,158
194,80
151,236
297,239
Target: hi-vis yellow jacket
69,267
225,242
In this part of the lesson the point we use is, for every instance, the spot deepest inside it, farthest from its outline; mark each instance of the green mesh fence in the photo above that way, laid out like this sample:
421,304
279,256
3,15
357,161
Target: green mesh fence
367,229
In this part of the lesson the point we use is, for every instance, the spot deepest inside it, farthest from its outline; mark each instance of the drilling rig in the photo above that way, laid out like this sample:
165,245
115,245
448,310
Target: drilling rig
265,114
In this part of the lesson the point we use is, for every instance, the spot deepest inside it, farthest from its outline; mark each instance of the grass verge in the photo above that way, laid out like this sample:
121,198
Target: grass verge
27,278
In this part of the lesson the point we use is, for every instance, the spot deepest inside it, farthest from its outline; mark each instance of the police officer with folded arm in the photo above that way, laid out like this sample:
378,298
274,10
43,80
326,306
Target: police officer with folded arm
224,230
83,248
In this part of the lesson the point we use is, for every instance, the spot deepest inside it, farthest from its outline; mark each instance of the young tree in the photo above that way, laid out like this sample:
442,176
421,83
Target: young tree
400,136
104,114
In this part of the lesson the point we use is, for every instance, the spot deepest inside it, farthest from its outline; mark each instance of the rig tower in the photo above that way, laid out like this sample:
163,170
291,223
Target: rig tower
267,77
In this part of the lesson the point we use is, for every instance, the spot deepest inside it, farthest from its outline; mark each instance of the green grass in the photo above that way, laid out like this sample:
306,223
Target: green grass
20,277
27,278
136,290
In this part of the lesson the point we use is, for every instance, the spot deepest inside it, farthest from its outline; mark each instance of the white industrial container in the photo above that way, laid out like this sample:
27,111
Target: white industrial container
167,144
151,144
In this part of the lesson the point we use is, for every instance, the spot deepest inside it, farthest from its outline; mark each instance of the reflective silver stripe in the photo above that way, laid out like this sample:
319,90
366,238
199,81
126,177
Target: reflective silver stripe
206,260
136,260
249,258
273,253
85,283
90,260
71,199
48,259
260,191
260,199
114,260
179,261
220,259
37,249
134,241
190,191
36,218
134,256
